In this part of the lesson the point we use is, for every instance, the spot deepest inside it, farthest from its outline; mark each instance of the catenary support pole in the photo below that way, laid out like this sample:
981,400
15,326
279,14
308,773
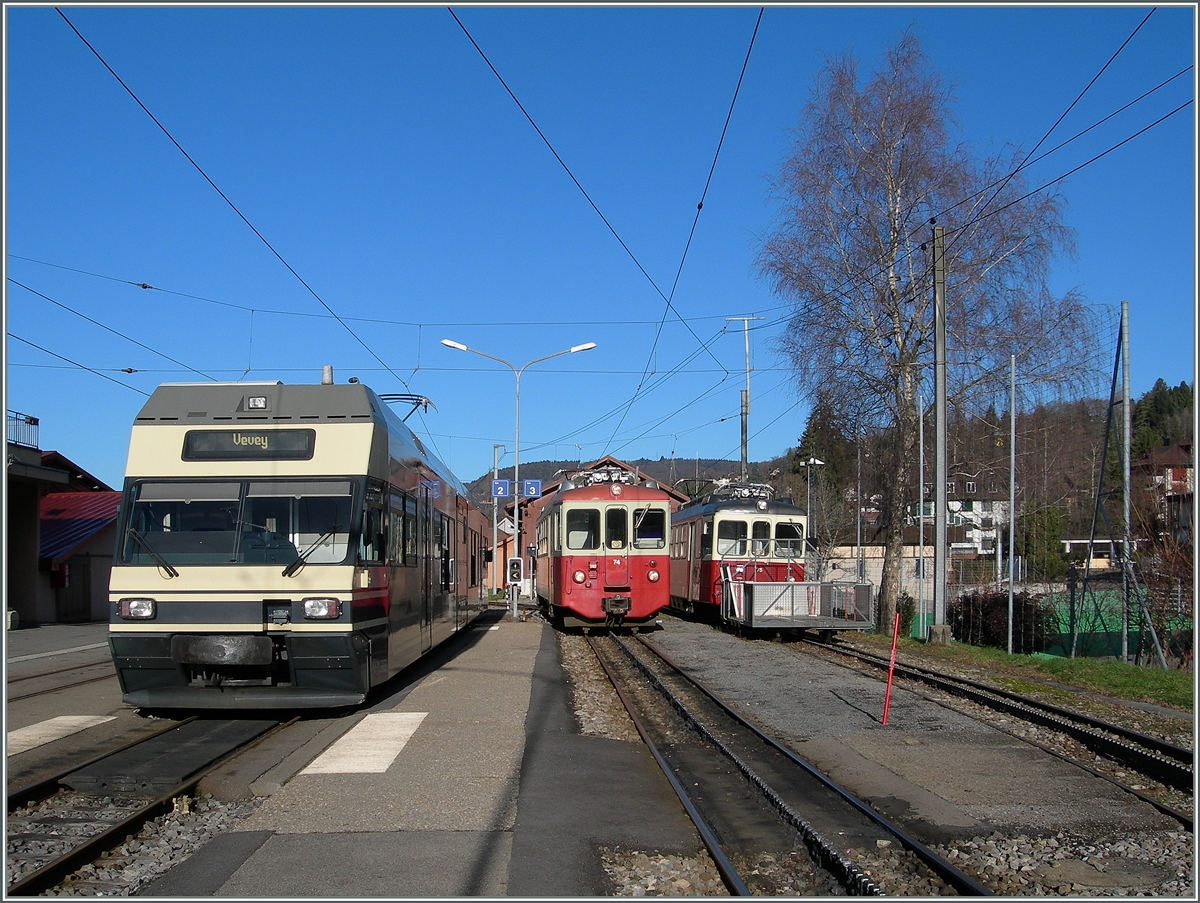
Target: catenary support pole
939,405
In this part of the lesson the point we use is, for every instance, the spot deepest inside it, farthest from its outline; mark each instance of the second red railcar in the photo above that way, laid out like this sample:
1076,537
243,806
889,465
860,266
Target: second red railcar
602,558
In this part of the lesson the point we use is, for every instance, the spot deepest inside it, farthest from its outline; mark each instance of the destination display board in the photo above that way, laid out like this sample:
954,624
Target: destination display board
249,445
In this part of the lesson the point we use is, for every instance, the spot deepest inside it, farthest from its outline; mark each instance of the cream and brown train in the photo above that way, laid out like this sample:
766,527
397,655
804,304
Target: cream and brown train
284,546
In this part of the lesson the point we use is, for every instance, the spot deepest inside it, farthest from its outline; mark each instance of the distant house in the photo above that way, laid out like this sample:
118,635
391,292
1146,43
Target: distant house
975,501
75,552
80,536
1169,472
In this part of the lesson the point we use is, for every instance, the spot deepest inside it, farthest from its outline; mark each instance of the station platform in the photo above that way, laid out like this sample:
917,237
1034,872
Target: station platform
492,794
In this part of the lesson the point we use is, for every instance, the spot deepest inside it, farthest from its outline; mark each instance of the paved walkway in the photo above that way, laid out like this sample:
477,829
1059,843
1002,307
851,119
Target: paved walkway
493,793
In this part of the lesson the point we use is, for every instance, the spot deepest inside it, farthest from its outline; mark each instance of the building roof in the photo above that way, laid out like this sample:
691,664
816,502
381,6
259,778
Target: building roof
1177,455
80,479
69,519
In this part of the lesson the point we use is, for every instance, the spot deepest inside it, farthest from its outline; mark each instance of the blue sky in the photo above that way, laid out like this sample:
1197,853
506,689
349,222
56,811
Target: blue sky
385,163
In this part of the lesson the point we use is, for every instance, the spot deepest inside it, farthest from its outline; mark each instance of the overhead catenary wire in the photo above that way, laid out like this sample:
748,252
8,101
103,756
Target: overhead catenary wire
239,213
883,267
388,369
696,219
12,335
374,321
1064,115
226,199
110,329
567,170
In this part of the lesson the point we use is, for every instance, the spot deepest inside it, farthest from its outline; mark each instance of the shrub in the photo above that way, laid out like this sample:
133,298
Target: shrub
981,619
907,606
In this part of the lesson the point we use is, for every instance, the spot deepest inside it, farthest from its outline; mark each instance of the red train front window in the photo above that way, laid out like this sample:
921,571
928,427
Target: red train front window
731,538
583,529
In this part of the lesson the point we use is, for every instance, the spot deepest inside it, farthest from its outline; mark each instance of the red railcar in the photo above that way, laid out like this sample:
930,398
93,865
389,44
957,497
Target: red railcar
602,556
738,556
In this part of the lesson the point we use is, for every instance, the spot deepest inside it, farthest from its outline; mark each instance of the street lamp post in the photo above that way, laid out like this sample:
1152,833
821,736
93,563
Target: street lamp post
495,504
459,346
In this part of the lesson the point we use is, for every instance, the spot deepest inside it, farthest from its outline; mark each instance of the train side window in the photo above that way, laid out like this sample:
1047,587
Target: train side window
395,554
372,546
410,532
731,537
706,540
583,529
616,528
649,528
789,540
760,533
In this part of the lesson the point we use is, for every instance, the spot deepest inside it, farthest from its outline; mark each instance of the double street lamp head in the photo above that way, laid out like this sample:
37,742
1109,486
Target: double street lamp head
574,349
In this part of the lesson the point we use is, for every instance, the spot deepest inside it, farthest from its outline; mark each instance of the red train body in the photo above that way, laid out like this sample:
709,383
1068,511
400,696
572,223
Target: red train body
739,556
602,558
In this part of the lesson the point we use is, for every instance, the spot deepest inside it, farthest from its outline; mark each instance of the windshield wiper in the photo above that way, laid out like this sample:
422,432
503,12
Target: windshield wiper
152,552
303,556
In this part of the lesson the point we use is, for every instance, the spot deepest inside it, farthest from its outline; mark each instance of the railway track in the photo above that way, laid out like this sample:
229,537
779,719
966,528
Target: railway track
64,822
748,794
30,690
1162,762
45,691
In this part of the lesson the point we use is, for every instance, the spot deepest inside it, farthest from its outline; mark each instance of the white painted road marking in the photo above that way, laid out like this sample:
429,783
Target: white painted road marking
26,738
29,658
370,746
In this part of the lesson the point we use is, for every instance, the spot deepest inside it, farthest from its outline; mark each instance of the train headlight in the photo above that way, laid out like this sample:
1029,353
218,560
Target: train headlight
616,490
652,576
136,609
322,608
579,576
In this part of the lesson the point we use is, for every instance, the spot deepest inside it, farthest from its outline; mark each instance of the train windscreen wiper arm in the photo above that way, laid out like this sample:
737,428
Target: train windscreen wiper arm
303,556
152,552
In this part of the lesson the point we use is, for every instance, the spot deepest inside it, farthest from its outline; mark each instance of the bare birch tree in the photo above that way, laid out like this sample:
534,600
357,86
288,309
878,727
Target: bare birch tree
873,162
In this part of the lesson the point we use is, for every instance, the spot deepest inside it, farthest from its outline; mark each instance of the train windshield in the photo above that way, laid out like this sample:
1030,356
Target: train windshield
238,522
731,538
583,529
649,528
789,540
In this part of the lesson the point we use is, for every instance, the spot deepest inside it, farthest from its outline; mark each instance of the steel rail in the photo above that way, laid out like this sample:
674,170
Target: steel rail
961,882
40,789
1173,772
728,873
1170,750
78,683
90,849
103,662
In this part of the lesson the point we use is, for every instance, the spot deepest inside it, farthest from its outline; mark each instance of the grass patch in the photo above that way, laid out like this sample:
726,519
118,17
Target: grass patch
1116,679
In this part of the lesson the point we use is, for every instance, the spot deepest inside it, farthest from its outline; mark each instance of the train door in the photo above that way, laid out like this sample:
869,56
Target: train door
693,562
616,546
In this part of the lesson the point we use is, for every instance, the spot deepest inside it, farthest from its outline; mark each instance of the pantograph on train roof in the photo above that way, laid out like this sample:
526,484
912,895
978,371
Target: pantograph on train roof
597,475
735,491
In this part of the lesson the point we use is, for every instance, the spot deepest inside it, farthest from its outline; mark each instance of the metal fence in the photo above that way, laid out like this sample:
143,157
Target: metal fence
22,429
